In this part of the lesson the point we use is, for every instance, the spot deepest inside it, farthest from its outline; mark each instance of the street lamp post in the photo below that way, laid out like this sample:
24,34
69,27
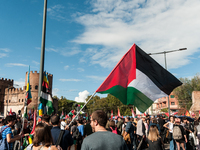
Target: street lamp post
165,52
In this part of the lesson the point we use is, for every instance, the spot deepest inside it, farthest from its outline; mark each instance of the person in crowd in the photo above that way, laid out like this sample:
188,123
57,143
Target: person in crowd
169,125
26,129
140,131
180,142
63,124
81,130
108,124
72,132
87,129
42,138
154,140
18,125
154,122
198,133
7,132
101,138
45,119
161,122
119,125
130,129
113,127
66,140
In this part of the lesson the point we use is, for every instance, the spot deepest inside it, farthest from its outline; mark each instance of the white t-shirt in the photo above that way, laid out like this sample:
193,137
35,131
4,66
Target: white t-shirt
63,125
171,126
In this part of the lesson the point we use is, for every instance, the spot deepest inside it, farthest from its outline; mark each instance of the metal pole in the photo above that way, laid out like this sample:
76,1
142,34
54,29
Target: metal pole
42,50
167,95
7,100
82,108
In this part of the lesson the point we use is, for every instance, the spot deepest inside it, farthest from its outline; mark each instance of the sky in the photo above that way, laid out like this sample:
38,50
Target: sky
86,39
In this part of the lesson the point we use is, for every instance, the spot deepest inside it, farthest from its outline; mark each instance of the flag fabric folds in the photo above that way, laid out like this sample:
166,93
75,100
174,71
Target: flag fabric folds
28,90
45,97
62,115
138,80
40,110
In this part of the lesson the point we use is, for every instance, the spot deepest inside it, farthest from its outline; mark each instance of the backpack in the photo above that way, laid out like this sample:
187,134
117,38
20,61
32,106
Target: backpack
3,142
76,135
59,140
177,134
114,131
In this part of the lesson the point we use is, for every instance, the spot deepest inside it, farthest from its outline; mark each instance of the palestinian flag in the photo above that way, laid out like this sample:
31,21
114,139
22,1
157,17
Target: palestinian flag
62,115
28,98
45,97
138,80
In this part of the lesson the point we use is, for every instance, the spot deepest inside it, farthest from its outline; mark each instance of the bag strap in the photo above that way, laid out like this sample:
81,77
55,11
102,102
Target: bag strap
4,129
60,137
111,128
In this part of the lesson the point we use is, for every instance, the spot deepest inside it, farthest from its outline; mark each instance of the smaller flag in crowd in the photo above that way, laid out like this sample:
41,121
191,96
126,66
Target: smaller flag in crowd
111,116
10,113
28,90
118,114
62,115
187,114
45,97
133,113
41,109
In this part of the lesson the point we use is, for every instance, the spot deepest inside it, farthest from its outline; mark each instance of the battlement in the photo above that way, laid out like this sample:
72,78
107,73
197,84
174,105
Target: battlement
6,80
35,72
14,90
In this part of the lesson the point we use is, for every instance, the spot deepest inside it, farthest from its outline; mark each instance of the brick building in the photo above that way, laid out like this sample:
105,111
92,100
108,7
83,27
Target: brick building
15,97
162,103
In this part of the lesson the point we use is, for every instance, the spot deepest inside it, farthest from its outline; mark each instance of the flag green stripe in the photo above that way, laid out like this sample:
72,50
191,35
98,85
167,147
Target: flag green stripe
130,95
46,102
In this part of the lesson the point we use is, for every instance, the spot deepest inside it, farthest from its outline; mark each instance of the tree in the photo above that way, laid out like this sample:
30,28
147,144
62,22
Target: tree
184,92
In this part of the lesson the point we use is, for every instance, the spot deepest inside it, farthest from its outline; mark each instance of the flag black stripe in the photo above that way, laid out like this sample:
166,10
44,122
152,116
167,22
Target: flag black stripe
163,79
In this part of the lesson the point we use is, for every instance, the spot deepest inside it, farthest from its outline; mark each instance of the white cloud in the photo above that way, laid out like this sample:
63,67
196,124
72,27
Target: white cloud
70,51
80,69
57,12
97,78
82,96
55,91
35,62
153,25
51,50
66,80
4,52
16,64
19,83
66,67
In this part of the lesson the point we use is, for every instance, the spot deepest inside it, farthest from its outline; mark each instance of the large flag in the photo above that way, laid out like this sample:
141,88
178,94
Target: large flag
45,97
28,90
138,80
133,113
118,113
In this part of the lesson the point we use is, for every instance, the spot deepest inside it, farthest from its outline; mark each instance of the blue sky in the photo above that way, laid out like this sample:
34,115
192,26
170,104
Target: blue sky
86,39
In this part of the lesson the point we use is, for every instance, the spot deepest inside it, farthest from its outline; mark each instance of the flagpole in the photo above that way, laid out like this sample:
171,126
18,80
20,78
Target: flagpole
82,108
42,51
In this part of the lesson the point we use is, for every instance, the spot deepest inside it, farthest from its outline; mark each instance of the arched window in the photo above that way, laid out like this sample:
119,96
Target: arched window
36,87
22,100
19,100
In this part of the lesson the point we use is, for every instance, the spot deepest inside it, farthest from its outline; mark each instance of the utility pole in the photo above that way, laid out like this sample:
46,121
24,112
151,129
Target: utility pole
165,52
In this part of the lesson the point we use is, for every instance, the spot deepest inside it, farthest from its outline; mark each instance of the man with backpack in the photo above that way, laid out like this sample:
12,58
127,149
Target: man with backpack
66,138
130,129
101,138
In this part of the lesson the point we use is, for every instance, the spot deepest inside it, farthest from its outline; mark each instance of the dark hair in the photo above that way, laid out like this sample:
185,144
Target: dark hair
100,116
80,121
74,123
112,123
45,118
128,118
55,119
154,120
9,118
184,118
42,135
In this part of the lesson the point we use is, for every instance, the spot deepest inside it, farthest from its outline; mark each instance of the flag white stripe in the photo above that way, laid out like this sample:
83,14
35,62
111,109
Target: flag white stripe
144,84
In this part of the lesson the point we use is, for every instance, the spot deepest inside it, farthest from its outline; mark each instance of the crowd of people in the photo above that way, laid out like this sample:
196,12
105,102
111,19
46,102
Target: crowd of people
101,133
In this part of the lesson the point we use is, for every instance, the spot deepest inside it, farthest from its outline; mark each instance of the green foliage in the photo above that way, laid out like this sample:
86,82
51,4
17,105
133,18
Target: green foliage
164,110
184,92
